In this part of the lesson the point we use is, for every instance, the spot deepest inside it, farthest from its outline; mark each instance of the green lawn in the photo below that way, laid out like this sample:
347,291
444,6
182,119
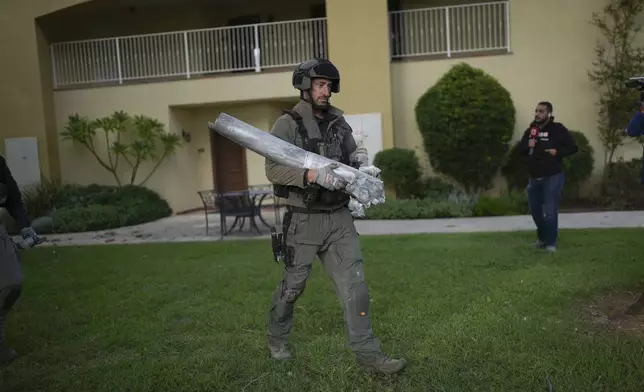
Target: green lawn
470,312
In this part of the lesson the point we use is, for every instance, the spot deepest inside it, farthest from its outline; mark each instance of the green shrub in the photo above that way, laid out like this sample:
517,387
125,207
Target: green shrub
400,170
436,187
621,188
504,205
100,207
77,208
39,199
577,167
466,120
427,208
87,218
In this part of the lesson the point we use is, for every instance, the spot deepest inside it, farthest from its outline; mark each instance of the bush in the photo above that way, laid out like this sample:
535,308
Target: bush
427,208
436,187
100,207
400,170
39,199
454,205
622,187
75,208
577,167
466,120
504,205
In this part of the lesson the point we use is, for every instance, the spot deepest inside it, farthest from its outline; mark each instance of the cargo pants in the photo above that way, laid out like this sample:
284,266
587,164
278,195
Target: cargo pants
10,277
333,238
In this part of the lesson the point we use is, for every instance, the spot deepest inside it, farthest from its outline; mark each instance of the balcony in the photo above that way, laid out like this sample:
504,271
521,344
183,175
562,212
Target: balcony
186,54
435,31
446,31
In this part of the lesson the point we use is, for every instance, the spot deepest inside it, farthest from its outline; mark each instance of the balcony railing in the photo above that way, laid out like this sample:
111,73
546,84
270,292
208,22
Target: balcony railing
418,32
187,53
447,30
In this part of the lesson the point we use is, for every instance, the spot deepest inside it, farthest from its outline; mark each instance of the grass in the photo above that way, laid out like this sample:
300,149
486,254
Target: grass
470,312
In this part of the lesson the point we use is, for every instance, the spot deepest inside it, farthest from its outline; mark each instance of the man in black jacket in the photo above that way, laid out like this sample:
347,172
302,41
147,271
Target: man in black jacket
544,144
10,272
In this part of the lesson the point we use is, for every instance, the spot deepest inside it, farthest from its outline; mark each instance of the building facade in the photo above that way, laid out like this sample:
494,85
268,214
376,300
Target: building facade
185,61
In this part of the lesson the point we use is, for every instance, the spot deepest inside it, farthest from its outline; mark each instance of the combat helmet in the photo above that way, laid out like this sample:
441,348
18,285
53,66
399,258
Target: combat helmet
316,68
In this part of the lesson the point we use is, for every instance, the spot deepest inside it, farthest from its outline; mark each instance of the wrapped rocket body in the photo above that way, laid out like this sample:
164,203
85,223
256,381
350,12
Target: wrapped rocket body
366,189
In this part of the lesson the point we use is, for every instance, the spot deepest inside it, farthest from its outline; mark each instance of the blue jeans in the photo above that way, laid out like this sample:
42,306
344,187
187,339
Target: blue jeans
543,198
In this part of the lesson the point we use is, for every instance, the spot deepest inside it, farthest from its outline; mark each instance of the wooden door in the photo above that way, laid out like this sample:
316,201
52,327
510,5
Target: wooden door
228,164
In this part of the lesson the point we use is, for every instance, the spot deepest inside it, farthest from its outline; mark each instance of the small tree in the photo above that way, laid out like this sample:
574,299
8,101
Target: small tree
466,120
618,59
135,139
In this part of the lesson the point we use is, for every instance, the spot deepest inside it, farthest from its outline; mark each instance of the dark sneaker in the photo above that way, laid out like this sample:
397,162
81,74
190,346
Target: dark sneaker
7,354
383,365
279,351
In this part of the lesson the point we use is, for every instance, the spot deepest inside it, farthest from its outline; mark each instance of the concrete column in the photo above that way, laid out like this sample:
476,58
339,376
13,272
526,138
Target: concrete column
358,37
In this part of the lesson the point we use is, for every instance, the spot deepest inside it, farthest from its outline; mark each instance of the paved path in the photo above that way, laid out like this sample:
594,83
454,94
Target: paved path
187,228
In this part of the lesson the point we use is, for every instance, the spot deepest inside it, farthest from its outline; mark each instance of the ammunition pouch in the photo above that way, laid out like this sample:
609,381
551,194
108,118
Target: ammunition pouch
281,252
279,246
281,190
315,194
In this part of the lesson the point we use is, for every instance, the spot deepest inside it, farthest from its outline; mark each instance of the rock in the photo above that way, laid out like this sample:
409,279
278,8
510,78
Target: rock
44,224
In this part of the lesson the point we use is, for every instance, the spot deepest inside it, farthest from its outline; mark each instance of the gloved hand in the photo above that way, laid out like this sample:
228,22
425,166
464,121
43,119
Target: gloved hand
362,158
30,238
326,178
370,170
356,208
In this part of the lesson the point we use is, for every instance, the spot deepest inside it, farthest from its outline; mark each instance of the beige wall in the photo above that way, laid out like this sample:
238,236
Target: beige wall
179,178
545,64
26,104
537,69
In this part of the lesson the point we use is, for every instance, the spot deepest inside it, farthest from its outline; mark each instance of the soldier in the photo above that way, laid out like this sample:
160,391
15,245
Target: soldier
317,221
10,273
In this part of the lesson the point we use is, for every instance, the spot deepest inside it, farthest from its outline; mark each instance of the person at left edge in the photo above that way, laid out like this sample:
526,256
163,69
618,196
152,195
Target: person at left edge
10,272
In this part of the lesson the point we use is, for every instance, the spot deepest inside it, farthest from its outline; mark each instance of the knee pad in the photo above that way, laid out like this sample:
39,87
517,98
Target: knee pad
291,295
8,297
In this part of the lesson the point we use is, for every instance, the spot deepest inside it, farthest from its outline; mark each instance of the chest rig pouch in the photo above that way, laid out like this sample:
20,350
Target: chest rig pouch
330,146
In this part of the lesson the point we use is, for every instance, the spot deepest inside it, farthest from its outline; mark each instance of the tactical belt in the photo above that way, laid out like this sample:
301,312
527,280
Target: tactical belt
304,210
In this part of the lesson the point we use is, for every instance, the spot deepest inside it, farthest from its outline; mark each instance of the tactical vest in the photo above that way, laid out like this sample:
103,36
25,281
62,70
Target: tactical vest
331,146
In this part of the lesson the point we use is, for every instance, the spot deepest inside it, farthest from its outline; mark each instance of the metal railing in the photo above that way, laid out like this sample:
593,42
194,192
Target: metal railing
418,32
187,53
452,29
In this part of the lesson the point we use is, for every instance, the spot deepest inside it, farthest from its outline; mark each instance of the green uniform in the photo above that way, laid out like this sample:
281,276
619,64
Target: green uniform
324,229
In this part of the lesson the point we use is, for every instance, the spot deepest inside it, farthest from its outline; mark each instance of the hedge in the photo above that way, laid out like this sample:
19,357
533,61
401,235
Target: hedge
78,208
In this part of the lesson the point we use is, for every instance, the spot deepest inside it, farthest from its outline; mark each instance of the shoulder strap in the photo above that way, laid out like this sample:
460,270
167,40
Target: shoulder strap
301,128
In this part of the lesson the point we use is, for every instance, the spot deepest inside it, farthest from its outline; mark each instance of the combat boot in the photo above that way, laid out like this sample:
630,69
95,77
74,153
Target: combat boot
7,354
382,364
279,351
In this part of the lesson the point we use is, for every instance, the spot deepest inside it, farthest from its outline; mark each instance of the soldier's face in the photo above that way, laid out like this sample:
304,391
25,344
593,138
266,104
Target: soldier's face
321,91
